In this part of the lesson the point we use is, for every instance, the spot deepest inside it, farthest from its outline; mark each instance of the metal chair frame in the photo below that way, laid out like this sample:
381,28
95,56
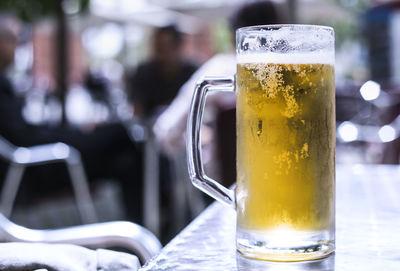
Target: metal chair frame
22,157
122,234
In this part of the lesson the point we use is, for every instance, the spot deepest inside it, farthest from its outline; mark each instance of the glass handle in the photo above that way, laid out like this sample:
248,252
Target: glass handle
193,147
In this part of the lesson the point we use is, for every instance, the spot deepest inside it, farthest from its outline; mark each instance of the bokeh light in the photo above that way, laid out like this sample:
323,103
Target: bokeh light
370,90
348,131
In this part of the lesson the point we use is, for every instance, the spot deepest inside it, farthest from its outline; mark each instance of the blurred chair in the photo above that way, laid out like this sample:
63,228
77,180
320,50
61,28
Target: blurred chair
184,198
151,178
117,234
21,157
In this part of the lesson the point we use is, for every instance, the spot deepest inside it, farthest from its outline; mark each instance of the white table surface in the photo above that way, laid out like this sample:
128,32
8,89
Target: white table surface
367,230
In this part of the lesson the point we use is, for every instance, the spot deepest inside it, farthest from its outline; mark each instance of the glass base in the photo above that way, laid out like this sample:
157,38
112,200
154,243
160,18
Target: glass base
285,245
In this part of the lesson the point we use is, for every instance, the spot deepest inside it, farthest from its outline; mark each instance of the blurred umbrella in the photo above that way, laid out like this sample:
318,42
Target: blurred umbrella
143,12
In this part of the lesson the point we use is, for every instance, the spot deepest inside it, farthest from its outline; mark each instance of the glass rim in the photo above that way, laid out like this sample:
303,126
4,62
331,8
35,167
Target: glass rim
269,27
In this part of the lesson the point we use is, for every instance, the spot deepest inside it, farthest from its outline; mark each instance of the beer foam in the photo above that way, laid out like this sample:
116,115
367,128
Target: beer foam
322,57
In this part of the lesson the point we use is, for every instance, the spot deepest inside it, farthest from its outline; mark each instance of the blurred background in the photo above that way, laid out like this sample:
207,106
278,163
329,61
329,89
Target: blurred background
74,60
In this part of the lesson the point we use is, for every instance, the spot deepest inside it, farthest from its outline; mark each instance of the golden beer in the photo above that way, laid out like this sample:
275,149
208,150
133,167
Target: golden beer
285,147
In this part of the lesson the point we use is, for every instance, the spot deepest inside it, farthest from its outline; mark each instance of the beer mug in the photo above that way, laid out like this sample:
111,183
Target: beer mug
285,117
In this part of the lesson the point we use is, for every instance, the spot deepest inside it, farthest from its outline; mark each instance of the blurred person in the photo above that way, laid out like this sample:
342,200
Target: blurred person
170,125
107,150
151,88
156,82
